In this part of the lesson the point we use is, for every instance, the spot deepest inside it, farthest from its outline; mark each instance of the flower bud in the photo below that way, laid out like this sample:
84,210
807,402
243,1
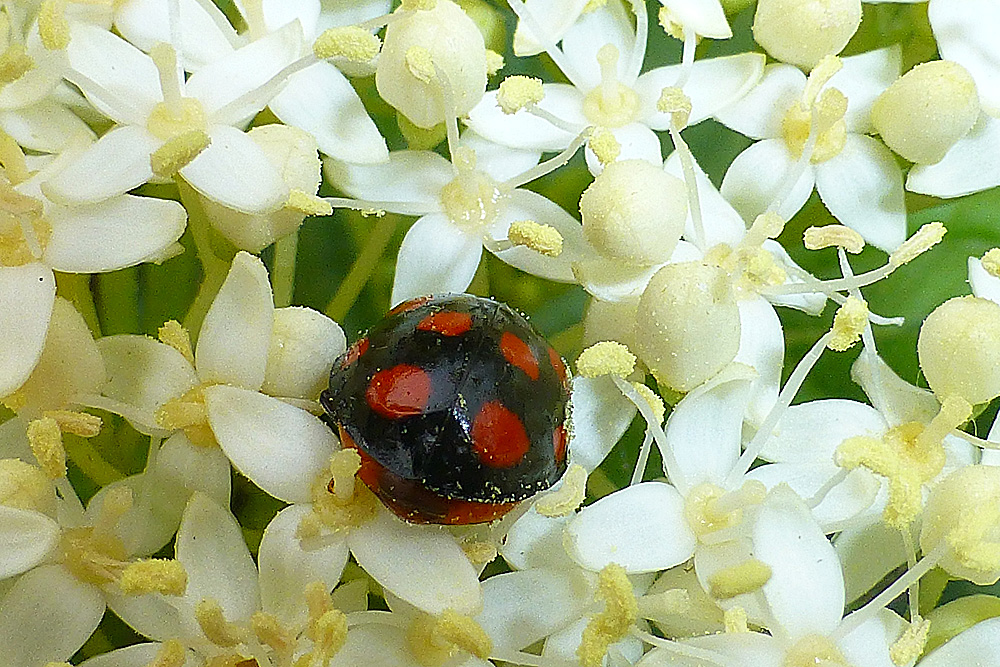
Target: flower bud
687,327
959,349
801,32
925,111
635,212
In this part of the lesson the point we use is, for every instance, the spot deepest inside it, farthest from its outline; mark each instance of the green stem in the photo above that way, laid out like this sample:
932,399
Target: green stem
85,457
283,276
118,301
362,268
76,288
214,269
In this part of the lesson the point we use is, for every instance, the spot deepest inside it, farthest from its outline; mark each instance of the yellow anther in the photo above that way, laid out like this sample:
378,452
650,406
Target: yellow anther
58,664
672,602
420,64
494,62
77,423
154,575
307,204
14,63
833,236
170,654
848,324
240,660
350,42
328,634
593,5
53,28
922,240
317,597
15,168
767,225
168,121
177,337
709,508
909,646
568,497
184,411
15,249
177,152
670,25
435,639
604,145
213,623
46,443
417,5
25,486
674,102
518,91
605,358
759,269
991,262
813,650
340,500
543,239
747,577
830,109
270,632
620,612
479,553
735,620
654,400
344,465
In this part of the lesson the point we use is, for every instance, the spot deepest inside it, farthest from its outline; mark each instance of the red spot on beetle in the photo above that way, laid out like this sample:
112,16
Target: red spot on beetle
446,323
517,353
354,352
498,436
559,443
409,305
399,391
557,365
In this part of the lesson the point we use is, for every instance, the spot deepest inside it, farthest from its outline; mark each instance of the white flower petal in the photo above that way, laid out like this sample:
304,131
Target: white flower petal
613,281
964,33
536,541
863,188
281,448
812,303
868,644
562,646
211,547
236,333
348,12
154,616
752,180
897,400
867,554
304,345
975,646
280,12
984,284
720,221
972,164
436,256
376,645
117,163
788,539
321,101
119,79
47,615
26,297
409,177
137,655
762,347
525,130
46,127
862,79
704,429
203,31
759,113
601,414
423,565
119,232
812,431
608,24
286,568
714,84
236,172
524,204
704,17
642,528
26,537
555,16
498,161
636,142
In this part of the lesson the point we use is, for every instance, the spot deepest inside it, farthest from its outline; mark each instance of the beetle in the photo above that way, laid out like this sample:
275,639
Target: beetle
457,407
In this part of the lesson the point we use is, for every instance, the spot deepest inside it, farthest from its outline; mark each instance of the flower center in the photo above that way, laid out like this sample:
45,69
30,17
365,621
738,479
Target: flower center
710,509
24,232
612,103
472,199
795,128
814,651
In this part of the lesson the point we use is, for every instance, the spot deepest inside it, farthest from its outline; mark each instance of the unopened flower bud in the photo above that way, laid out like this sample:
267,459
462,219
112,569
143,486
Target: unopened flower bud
959,349
801,32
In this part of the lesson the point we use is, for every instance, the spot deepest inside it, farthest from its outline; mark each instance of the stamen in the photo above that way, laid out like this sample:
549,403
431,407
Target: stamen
991,262
211,620
922,240
494,62
747,577
25,486
543,239
46,443
53,28
518,91
549,165
848,324
307,204
14,63
154,575
177,337
170,654
605,146
165,58
605,358
620,613
177,152
272,633
568,497
344,465
839,236
349,42
909,646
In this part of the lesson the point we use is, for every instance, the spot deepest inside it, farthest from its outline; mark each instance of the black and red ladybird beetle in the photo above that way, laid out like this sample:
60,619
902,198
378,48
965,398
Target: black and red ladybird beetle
457,406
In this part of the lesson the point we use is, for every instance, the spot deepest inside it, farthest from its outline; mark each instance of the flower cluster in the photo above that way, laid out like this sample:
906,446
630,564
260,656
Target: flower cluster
698,199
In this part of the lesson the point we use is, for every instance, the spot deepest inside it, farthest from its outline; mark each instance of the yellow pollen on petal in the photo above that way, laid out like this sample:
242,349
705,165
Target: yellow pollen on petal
543,239
46,443
307,204
605,358
25,486
213,623
675,102
328,634
154,575
172,333
670,25
15,168
494,62
435,639
922,240
479,553
991,262
604,146
819,76
350,42
621,610
420,64
15,248
170,654
833,236
813,651
177,152
14,63
747,577
270,632
166,122
909,646
848,324
78,423
735,620
53,28
709,508
518,91
568,497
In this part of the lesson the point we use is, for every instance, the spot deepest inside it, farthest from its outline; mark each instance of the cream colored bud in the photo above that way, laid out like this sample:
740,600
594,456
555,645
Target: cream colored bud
687,327
801,32
959,349
457,51
634,211
925,111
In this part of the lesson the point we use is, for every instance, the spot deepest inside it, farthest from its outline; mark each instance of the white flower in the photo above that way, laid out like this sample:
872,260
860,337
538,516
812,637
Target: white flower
810,138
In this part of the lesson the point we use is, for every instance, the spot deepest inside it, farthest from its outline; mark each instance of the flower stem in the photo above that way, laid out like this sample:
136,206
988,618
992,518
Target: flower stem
283,276
362,268
213,268
85,456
